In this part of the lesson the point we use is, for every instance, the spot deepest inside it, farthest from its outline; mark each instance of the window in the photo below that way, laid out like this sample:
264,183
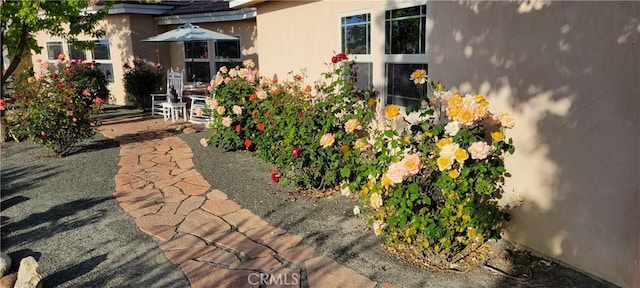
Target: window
400,90
54,49
405,30
228,49
356,34
76,53
101,54
197,61
405,51
355,40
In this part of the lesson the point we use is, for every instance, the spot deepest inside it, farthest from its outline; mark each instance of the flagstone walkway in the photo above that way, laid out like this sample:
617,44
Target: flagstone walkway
214,240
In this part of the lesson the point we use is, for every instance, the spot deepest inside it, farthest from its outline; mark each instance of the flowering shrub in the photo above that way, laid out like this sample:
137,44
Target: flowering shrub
140,81
433,186
308,132
59,106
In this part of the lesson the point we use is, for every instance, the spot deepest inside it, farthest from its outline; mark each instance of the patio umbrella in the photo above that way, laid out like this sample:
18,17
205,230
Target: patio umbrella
188,32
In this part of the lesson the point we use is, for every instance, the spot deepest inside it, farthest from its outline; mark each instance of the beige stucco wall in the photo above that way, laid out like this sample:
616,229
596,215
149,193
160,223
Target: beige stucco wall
568,71
117,31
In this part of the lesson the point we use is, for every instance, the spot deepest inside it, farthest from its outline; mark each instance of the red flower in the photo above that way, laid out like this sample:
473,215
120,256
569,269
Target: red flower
98,101
252,97
296,151
334,59
3,104
238,128
261,126
275,177
341,56
54,76
247,143
86,92
301,114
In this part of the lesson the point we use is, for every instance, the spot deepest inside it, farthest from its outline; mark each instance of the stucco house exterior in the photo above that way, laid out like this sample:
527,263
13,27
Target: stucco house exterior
569,72
129,22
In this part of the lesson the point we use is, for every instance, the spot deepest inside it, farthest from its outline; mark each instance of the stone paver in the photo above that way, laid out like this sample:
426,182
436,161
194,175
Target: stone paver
214,241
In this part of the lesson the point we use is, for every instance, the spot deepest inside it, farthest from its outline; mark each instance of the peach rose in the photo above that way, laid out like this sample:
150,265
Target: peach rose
375,200
327,140
396,173
227,121
351,125
221,110
412,163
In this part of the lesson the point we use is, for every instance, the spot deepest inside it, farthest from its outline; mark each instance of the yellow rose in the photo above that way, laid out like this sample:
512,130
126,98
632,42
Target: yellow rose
344,148
444,163
443,142
386,181
496,136
461,155
455,100
453,112
371,101
362,144
466,117
454,174
391,112
481,100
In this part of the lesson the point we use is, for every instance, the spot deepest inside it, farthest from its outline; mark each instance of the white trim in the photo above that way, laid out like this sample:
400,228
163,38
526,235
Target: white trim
243,3
133,9
361,57
401,5
235,15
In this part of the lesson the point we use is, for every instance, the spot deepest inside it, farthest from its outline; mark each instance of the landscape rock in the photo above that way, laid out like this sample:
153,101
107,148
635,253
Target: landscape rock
28,276
189,130
8,281
5,263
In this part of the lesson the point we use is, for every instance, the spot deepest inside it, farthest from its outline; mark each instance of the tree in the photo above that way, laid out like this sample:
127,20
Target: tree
21,19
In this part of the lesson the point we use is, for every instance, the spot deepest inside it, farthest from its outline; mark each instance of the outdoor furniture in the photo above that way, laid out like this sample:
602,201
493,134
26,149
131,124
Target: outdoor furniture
174,81
197,112
171,110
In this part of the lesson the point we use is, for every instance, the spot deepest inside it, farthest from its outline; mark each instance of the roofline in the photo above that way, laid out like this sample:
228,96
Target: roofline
223,16
126,8
243,3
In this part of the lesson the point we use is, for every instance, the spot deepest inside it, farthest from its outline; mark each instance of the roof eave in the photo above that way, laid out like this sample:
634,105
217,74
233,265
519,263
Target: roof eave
244,3
223,16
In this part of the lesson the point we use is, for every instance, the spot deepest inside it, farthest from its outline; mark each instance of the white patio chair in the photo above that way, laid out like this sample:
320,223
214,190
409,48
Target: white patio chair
197,112
174,79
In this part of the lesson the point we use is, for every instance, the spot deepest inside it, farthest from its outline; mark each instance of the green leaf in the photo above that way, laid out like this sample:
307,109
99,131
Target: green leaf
345,172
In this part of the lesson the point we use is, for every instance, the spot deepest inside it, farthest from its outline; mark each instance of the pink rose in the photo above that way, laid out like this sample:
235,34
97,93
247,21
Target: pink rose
479,150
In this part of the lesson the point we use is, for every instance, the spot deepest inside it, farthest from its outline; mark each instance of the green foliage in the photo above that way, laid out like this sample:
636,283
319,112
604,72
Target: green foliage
59,107
21,20
139,82
434,184
286,123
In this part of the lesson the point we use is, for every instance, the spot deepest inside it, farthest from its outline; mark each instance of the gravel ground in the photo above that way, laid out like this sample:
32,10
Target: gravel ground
62,212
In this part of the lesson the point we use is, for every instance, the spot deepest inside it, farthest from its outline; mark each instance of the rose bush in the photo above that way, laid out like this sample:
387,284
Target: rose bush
59,106
140,81
308,132
432,187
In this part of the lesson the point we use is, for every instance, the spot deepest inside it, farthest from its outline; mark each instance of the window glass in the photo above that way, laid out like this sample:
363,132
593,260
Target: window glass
101,50
361,75
54,49
197,72
196,49
107,70
356,34
405,30
400,90
76,53
229,49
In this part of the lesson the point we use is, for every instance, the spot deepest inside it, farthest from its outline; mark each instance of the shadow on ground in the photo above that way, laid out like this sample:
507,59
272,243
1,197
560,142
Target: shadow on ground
61,211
